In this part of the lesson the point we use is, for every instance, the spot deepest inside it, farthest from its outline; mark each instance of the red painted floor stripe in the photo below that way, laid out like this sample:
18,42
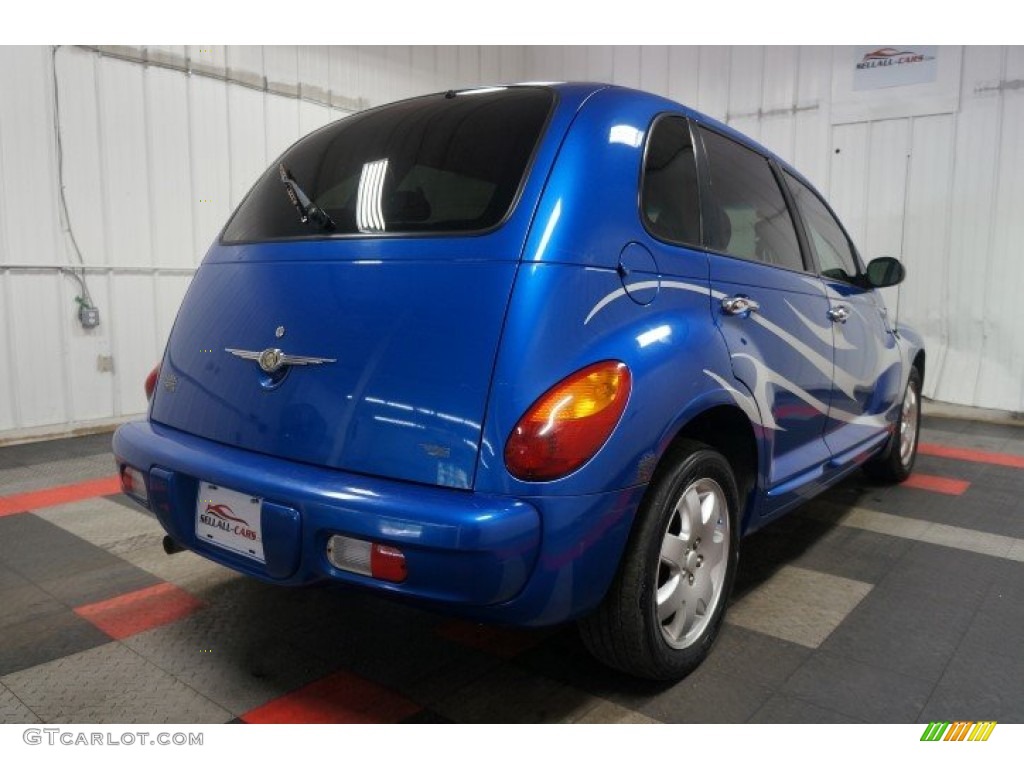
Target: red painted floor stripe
947,485
134,612
971,454
64,494
498,641
338,698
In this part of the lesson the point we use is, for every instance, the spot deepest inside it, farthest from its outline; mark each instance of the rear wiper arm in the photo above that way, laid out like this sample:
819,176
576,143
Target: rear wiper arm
308,210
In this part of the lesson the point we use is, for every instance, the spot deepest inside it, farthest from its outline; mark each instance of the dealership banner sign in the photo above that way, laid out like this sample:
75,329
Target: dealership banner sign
886,67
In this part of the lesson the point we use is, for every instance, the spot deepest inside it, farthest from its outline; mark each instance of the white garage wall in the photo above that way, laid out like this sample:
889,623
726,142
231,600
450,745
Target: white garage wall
943,190
155,158
159,145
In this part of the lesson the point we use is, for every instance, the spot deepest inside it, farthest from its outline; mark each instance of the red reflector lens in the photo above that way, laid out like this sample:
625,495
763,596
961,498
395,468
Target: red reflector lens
150,385
134,484
387,563
569,423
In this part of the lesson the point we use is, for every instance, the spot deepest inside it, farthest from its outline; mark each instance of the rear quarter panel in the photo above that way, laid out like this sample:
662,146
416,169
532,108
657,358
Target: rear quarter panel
569,309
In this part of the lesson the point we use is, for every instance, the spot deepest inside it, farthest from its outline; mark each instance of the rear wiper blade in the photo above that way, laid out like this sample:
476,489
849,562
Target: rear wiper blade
308,210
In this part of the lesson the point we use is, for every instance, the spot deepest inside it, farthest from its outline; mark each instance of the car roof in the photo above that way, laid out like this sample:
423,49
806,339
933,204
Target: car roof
581,91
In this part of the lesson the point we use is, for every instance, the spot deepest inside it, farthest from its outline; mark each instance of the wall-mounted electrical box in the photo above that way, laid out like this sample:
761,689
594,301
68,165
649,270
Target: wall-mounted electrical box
89,317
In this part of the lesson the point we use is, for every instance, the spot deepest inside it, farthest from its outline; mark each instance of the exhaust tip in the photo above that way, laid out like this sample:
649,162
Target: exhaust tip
172,547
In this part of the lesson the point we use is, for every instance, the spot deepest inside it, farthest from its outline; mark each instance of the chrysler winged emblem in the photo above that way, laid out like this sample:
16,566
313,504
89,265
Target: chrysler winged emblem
272,359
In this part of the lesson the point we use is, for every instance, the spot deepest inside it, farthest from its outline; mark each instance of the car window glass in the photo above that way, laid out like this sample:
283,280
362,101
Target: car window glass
430,164
747,214
830,244
669,198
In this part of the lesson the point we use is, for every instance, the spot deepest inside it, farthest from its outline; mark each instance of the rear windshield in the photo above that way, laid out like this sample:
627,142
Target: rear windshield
434,164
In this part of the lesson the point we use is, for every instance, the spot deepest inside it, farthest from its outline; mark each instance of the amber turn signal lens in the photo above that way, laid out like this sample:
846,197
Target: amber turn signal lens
569,423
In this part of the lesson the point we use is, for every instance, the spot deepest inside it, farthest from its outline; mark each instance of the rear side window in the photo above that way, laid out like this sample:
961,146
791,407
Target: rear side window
432,164
747,215
669,198
831,246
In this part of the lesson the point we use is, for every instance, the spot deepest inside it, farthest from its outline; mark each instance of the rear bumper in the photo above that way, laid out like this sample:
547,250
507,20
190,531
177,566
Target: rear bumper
526,561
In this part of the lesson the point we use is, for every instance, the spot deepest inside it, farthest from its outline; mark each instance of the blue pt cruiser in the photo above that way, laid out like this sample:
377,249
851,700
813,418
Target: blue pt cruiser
526,354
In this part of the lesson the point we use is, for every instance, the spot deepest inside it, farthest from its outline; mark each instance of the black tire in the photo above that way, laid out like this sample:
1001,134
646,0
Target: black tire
896,462
625,632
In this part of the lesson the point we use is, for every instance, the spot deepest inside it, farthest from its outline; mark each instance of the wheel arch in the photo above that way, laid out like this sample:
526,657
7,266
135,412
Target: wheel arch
722,425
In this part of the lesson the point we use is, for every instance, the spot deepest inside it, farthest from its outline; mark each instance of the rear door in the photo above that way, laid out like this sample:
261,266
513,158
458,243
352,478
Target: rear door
867,378
770,307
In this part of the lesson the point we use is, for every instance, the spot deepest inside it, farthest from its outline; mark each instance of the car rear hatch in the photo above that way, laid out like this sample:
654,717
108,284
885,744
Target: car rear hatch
364,337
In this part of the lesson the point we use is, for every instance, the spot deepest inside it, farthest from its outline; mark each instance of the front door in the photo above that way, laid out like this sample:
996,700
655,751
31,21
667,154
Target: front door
866,382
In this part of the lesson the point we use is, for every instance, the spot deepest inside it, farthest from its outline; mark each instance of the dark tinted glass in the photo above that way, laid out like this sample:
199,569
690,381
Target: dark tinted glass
747,214
432,164
670,204
835,256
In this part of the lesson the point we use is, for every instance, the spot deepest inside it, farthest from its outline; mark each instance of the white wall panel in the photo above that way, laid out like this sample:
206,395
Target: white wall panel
1001,373
170,290
90,391
547,62
135,345
312,116
170,171
29,207
626,65
887,159
342,69
281,65
81,148
575,63
469,66
746,66
513,64
777,133
313,62
243,61
849,177
971,224
684,75
600,63
125,159
446,71
924,299
208,139
281,124
210,58
34,313
490,65
9,410
654,68
778,78
247,141
812,145
713,88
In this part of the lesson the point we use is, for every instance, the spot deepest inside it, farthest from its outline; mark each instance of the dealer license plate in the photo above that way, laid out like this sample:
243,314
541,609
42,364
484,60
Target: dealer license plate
230,520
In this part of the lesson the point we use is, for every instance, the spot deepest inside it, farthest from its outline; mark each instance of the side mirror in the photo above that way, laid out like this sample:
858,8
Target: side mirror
885,271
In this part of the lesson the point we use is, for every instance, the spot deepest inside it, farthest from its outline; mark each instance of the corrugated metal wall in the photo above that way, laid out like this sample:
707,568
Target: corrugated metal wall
155,158
159,145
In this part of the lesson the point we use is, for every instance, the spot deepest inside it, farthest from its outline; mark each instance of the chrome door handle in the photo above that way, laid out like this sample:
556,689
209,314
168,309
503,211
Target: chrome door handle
739,305
839,314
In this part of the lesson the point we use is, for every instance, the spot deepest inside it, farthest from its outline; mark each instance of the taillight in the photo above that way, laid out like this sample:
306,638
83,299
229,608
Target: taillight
569,423
150,384
367,558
